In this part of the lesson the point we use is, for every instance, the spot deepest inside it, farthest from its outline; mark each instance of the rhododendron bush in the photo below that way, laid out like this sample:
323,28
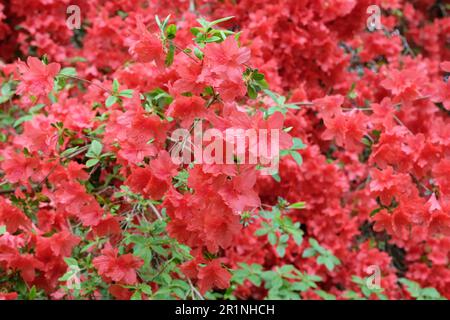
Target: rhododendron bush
93,205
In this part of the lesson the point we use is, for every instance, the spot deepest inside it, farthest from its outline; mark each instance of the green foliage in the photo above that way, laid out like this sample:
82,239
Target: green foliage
255,82
419,293
161,255
28,116
7,91
283,283
293,151
117,94
325,295
297,205
366,290
324,256
278,228
62,77
180,181
155,101
168,33
80,268
95,155
206,33
280,104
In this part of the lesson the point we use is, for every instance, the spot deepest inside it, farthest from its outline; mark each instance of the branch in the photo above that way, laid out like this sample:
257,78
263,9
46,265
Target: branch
156,212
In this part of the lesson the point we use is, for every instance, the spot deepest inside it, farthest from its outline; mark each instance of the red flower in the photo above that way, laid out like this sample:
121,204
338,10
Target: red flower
188,71
108,226
58,245
36,77
403,84
440,224
153,180
445,66
213,275
329,106
147,47
13,218
8,296
113,267
187,109
238,192
223,67
347,128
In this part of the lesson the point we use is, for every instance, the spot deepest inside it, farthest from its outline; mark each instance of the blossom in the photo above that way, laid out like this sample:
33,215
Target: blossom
213,275
36,77
117,268
147,47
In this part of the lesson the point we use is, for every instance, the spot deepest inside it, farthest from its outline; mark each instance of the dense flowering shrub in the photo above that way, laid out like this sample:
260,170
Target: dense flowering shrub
92,205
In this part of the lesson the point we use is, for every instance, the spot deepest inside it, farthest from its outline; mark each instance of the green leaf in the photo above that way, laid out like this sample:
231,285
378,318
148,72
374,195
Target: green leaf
297,205
255,279
375,211
95,149
213,39
2,230
220,21
110,101
69,151
23,119
171,31
261,232
284,238
298,144
287,268
329,264
281,250
68,71
271,95
430,293
91,162
6,89
198,53
310,252
165,22
115,86
258,76
266,214
313,242
69,274
251,92
272,238
195,31
276,177
128,93
298,237
170,55
122,14
412,287
88,246
145,288
71,262
37,107
3,99
136,296
325,295
352,94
